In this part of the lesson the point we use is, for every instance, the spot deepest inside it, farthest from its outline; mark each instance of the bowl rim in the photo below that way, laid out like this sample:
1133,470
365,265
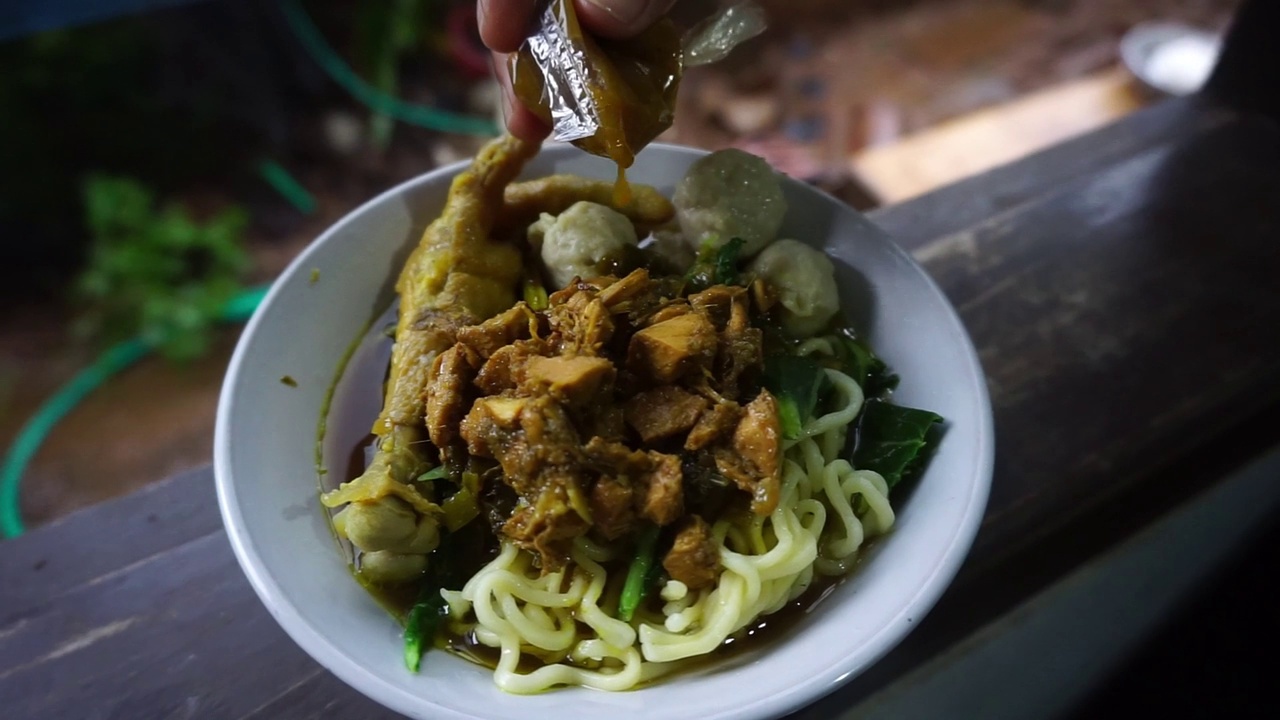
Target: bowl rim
316,644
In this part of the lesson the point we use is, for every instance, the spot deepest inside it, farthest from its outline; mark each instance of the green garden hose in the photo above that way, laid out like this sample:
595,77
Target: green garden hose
33,433
337,68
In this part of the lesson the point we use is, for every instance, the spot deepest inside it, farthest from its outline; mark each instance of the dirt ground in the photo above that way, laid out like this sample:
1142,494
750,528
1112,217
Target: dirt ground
829,81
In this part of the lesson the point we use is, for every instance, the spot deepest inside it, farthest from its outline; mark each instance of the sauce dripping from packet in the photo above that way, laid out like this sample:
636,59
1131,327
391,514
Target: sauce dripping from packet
612,97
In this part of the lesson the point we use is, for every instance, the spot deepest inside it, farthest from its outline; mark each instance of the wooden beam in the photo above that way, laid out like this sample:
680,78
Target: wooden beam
985,139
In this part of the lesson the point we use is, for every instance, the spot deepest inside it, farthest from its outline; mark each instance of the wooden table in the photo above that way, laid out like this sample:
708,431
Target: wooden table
1123,290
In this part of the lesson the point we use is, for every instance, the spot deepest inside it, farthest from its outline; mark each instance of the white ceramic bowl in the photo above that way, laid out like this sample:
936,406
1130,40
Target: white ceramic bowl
265,460
1170,58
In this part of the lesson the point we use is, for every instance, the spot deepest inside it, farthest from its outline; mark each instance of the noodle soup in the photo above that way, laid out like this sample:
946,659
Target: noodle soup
646,462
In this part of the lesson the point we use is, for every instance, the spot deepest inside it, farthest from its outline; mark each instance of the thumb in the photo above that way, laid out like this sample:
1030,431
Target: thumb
620,18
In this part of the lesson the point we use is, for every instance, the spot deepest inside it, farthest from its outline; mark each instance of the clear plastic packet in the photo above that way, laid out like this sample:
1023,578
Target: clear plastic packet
613,97
715,37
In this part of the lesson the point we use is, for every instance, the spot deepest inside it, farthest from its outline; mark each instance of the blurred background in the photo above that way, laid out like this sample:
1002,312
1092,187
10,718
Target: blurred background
160,160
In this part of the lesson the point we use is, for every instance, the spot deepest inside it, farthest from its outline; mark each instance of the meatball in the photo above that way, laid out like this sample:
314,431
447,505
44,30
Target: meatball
730,194
805,282
587,240
385,567
387,523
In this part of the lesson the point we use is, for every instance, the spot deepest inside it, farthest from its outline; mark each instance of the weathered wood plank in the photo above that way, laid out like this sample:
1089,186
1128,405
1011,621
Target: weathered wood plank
97,541
322,696
957,149
918,222
179,635
1127,319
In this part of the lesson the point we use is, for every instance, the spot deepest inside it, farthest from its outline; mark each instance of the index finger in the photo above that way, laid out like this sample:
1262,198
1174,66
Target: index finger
504,24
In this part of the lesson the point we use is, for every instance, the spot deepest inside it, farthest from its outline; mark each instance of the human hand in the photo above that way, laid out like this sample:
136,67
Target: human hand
504,24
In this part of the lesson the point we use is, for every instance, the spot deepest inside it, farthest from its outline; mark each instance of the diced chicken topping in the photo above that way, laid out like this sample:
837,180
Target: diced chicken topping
611,510
500,331
693,559
751,461
659,496
593,408
572,380
713,425
504,370
671,349
446,400
664,412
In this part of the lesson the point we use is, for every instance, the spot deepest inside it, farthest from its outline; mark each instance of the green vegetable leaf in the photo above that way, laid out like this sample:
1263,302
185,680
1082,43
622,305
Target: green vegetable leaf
789,417
463,506
418,629
726,272
633,591
715,265
535,296
794,382
427,613
869,371
893,440
438,472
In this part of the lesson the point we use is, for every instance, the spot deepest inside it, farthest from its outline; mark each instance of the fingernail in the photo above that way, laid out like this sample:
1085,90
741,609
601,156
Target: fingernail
507,107
508,102
624,11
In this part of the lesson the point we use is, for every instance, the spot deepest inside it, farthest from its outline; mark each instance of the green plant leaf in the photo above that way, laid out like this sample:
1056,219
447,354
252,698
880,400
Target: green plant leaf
865,367
794,382
893,440
155,272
